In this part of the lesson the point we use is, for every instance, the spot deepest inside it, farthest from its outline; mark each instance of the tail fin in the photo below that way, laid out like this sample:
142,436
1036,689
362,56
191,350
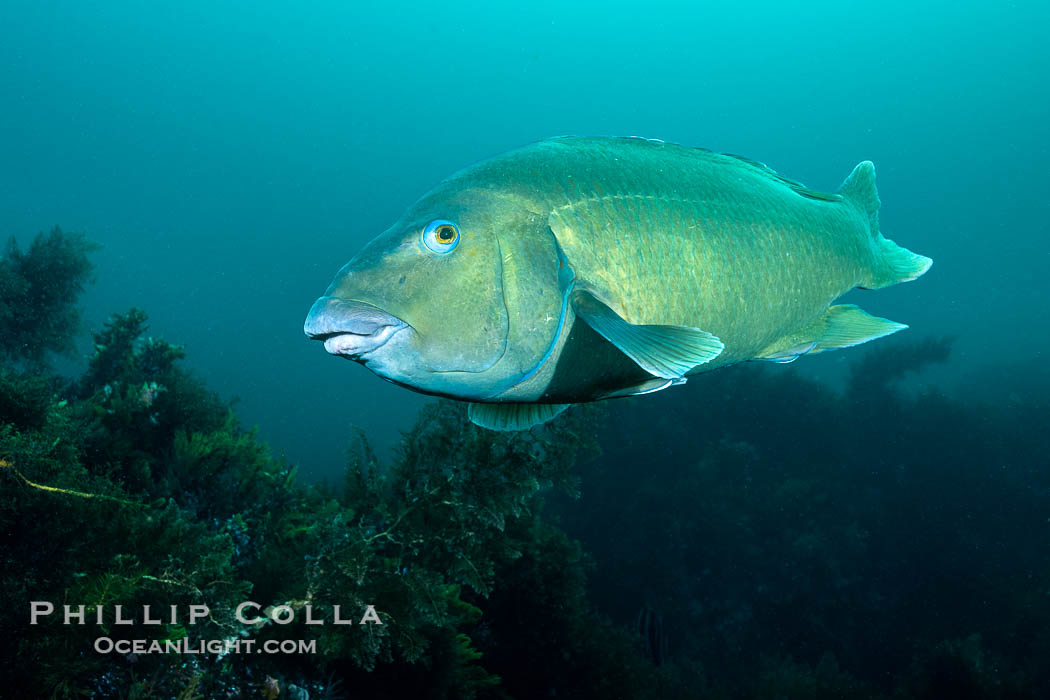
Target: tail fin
893,263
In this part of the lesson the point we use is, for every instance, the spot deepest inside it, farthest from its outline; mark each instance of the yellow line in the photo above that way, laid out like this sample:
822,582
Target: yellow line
4,463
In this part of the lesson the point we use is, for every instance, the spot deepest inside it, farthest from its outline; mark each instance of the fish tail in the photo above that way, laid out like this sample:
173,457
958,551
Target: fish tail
893,263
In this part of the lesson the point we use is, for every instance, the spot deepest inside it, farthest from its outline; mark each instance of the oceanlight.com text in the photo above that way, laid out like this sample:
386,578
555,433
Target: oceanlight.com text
223,647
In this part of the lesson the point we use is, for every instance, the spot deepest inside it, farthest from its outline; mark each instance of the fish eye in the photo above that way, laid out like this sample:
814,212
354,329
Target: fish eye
441,236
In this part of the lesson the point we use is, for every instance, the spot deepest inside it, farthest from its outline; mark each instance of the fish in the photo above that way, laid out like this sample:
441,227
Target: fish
580,269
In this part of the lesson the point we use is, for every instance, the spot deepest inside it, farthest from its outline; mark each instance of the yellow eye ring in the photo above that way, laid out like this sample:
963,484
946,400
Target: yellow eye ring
441,236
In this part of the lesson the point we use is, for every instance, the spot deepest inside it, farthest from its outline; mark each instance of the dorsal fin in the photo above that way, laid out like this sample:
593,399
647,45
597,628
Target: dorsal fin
795,185
758,166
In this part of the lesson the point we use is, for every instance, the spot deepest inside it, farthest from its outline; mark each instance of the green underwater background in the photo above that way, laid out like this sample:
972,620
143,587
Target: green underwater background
180,181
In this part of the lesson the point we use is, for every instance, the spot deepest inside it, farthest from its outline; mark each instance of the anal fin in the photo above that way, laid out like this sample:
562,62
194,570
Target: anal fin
841,326
513,416
846,325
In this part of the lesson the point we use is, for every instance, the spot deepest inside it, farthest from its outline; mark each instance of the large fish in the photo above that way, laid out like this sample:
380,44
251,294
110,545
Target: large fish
579,269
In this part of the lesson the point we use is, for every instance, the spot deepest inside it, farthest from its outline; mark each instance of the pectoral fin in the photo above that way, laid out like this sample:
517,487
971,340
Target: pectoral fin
663,351
513,416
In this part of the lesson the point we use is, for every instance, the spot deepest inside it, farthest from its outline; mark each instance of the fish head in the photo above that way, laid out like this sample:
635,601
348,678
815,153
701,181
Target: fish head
444,301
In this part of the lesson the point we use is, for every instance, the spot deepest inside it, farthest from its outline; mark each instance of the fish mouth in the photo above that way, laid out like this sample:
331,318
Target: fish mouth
350,328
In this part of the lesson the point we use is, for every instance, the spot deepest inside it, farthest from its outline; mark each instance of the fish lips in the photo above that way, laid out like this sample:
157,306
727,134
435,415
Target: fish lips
350,328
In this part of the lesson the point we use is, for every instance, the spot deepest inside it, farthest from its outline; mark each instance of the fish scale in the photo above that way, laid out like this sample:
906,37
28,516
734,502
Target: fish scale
754,267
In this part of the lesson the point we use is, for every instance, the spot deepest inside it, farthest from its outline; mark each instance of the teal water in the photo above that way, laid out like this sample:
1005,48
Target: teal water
230,158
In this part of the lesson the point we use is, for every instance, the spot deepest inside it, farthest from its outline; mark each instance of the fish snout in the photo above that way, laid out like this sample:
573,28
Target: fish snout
350,328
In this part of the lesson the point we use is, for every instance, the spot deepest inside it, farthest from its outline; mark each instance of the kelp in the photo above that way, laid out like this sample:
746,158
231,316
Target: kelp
39,290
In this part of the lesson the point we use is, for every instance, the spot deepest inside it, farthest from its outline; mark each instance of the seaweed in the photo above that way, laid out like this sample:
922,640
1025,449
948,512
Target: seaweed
39,294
